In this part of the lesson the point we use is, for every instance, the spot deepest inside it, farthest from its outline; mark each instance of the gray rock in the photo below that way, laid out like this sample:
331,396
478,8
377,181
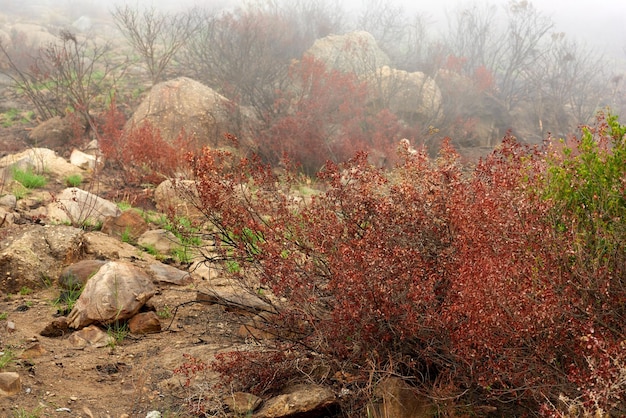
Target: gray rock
413,97
183,103
161,240
83,160
82,24
40,160
8,201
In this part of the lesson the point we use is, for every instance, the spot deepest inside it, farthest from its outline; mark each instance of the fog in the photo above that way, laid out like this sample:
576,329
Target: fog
599,23
533,67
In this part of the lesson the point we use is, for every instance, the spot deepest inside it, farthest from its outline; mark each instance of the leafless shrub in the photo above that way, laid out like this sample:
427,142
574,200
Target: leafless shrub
64,76
155,36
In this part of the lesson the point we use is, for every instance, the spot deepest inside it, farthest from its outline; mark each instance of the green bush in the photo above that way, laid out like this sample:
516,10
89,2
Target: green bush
28,178
74,180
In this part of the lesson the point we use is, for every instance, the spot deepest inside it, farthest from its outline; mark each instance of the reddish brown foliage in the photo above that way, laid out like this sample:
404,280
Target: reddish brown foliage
325,117
484,78
253,371
429,270
140,152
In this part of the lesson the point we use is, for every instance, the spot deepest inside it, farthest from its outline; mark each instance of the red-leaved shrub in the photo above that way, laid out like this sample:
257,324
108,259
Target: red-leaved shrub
324,116
141,153
482,280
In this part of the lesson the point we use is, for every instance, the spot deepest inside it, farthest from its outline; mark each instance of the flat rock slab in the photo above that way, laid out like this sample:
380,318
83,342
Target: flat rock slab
167,274
235,300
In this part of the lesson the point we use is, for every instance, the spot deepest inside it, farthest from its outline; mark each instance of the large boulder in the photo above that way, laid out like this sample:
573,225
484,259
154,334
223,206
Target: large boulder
414,97
115,293
183,103
32,256
355,52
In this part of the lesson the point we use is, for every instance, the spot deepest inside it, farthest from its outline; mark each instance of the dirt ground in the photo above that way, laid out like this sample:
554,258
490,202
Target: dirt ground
128,378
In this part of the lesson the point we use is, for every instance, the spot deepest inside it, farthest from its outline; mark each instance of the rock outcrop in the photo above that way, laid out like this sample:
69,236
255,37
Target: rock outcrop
185,104
35,255
355,52
413,97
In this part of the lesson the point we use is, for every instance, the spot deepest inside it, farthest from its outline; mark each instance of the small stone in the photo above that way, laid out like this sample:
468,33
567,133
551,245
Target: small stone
242,403
144,323
90,336
57,328
153,414
10,326
10,384
299,400
34,351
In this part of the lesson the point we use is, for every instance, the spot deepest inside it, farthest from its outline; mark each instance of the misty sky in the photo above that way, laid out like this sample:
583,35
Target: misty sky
598,23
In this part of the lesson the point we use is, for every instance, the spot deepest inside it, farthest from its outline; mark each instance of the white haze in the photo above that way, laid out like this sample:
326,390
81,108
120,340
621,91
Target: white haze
599,22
